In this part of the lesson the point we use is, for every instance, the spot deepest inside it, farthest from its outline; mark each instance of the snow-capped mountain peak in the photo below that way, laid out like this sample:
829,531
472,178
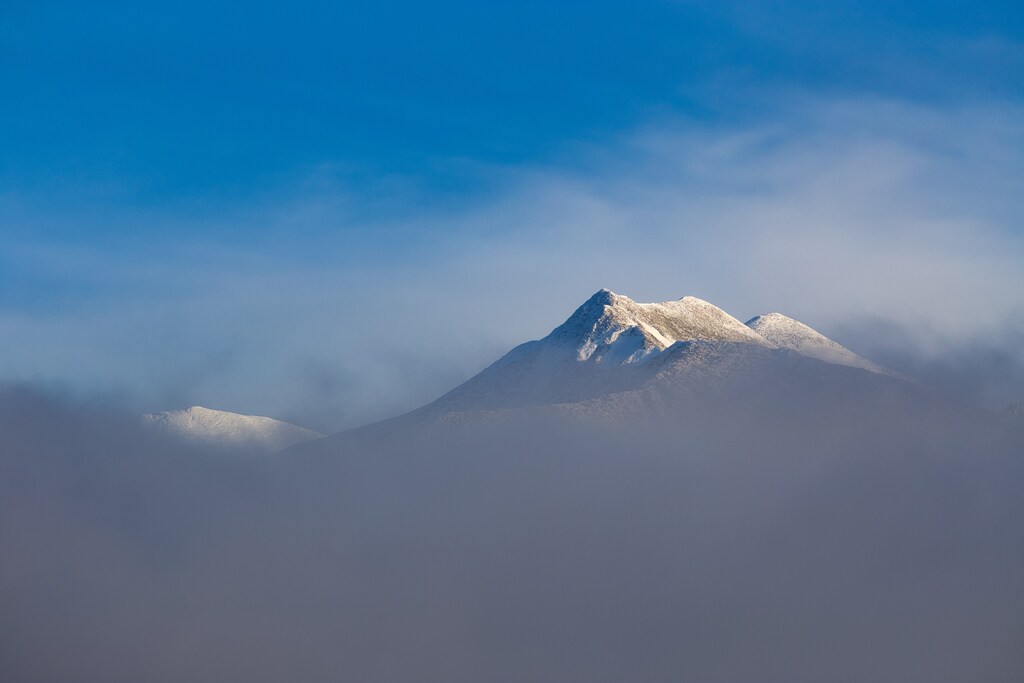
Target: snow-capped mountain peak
615,358
787,333
610,327
229,429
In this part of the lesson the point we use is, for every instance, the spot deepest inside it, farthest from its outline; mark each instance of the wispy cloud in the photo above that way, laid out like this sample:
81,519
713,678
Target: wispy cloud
831,210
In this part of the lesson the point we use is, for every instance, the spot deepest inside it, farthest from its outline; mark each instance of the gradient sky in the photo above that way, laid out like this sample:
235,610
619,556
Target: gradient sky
330,212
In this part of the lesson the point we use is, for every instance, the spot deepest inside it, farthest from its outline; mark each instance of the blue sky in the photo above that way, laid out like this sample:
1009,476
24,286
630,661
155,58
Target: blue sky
332,211
151,105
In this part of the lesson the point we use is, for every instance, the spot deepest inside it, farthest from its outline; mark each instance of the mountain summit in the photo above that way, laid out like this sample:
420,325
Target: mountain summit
607,345
615,358
609,327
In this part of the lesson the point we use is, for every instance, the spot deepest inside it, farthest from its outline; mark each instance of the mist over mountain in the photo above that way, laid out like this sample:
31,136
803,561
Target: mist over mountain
788,333
618,362
651,492
794,541
229,430
304,377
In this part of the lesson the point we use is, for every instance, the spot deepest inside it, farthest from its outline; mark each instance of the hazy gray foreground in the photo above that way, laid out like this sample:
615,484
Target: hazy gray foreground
733,511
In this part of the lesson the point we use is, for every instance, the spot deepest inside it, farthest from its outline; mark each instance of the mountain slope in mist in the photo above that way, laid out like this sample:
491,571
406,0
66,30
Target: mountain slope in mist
612,344
799,545
223,428
617,360
787,333
731,510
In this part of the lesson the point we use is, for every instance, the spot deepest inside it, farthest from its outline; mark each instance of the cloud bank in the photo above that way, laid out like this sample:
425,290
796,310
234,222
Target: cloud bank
884,548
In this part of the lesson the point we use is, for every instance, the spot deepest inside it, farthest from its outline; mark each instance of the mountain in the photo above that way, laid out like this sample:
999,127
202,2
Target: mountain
613,328
222,428
607,345
612,344
615,359
787,333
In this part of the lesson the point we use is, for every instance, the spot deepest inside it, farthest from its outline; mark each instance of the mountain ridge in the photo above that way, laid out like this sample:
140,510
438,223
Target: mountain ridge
613,359
786,332
225,428
617,359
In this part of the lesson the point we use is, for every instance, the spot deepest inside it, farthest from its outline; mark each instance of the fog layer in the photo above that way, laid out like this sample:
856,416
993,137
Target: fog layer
800,544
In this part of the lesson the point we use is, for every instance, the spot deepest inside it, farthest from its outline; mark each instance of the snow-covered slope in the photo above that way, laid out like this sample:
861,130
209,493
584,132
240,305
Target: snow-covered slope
229,429
614,358
601,348
610,327
787,333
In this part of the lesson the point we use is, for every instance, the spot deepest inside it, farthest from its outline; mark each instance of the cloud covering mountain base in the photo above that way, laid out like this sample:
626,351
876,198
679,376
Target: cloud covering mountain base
882,545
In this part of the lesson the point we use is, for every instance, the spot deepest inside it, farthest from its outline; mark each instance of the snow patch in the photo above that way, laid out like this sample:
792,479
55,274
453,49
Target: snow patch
787,333
229,429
